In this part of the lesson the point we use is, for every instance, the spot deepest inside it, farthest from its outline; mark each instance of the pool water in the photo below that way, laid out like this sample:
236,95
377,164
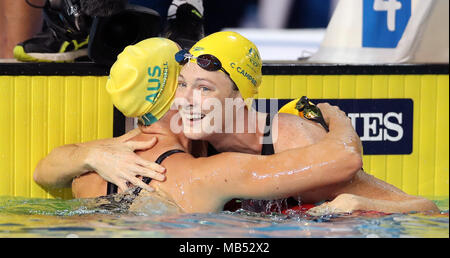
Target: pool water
25,217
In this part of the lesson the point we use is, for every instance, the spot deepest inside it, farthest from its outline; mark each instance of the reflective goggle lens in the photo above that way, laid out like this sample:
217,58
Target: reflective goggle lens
206,61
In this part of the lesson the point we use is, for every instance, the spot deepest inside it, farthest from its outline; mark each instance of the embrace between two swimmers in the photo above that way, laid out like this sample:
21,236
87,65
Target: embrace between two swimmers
272,157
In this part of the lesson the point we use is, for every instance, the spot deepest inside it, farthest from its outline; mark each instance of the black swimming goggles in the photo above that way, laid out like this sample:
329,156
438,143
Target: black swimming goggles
206,61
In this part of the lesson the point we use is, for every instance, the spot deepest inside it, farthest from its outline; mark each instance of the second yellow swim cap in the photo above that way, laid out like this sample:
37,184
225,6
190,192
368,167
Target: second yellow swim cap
143,80
239,57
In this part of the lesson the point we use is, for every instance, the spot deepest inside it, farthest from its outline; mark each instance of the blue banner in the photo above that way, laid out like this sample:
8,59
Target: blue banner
385,126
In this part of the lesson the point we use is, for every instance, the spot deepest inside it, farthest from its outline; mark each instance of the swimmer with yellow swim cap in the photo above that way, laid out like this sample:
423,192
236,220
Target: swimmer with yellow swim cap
191,184
226,67
148,95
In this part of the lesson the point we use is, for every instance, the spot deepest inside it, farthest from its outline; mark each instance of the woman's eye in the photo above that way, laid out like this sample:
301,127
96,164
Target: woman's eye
205,89
182,84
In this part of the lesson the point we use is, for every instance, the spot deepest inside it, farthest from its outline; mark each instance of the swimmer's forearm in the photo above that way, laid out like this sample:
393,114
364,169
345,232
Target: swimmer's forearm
61,165
64,163
350,203
114,159
284,174
335,159
296,171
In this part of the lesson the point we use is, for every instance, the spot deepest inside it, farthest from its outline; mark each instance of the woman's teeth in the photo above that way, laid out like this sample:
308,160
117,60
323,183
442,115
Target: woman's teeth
195,116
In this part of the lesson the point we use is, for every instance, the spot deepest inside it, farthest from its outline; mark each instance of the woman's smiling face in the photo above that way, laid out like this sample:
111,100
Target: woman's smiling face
201,98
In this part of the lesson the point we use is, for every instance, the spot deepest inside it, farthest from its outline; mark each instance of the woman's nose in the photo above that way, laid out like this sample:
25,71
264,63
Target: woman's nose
193,96
188,97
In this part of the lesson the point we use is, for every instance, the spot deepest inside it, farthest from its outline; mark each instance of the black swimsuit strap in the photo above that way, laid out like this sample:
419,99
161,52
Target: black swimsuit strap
112,188
160,159
267,146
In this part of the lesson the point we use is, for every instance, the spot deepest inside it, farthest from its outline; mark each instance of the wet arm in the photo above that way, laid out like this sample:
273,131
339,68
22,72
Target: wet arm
113,159
335,158
61,165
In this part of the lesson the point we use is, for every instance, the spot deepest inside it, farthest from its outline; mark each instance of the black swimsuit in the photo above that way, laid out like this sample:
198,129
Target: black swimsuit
112,188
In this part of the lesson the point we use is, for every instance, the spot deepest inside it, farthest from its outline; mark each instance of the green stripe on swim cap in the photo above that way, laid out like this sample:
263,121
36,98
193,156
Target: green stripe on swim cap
148,119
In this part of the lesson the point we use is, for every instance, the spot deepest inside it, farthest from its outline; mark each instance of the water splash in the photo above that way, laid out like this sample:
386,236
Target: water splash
24,217
266,206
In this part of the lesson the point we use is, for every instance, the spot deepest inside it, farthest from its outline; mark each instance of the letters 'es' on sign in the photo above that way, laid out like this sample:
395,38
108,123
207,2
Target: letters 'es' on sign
385,126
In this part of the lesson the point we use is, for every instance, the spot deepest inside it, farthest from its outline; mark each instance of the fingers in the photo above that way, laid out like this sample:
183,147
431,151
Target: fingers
130,134
142,171
150,165
323,209
318,210
325,108
137,182
122,184
141,145
330,112
330,108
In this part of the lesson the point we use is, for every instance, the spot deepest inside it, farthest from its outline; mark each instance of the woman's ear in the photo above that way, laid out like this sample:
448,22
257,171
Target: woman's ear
235,93
144,129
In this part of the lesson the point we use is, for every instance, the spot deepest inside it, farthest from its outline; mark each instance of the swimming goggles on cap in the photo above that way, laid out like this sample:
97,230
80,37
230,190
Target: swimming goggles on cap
206,61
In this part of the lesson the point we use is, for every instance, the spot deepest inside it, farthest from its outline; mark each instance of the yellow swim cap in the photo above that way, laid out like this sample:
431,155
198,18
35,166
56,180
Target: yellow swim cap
239,57
289,108
143,80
